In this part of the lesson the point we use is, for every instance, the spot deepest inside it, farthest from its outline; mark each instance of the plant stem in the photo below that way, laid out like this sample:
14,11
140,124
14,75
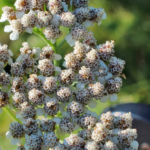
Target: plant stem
41,34
11,115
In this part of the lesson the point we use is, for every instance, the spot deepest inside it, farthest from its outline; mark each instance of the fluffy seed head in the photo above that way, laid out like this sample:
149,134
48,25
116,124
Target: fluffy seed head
4,99
66,126
30,126
74,141
92,59
81,3
85,134
124,121
23,5
67,19
55,6
49,85
87,121
72,61
26,49
78,32
18,85
29,20
47,125
4,79
50,140
18,99
34,142
75,109
60,147
107,119
83,96
114,85
99,133
9,13
36,96
106,50
52,32
21,148
47,53
4,54
85,75
110,146
27,111
16,130
46,67
33,82
90,39
96,90
64,94
51,107
17,69
116,66
44,18
92,146
66,77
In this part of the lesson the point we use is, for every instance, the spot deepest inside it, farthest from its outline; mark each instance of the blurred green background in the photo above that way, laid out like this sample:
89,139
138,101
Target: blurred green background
128,24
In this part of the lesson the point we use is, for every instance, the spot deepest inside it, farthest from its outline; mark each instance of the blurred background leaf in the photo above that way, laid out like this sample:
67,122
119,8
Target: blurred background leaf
128,24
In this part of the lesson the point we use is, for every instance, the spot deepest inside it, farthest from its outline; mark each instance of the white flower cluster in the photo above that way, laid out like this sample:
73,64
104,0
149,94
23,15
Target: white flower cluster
62,97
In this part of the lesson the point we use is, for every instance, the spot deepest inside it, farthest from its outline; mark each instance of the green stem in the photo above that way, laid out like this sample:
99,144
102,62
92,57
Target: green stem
61,44
41,34
11,115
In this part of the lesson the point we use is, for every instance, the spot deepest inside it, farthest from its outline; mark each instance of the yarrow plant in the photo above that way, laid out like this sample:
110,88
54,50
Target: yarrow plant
49,101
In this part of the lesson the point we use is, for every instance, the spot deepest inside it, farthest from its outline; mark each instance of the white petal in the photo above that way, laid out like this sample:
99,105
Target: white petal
19,58
71,2
109,76
14,141
18,114
41,77
29,30
113,97
65,6
28,70
115,140
72,43
99,23
64,64
10,61
14,36
10,52
8,135
1,110
40,111
57,57
26,147
62,107
19,14
19,141
94,114
76,127
68,38
65,114
38,51
102,64
38,26
87,23
2,63
53,41
134,145
57,69
3,18
40,132
8,28
104,99
80,86
102,80
57,120
55,20
104,16
43,147
92,104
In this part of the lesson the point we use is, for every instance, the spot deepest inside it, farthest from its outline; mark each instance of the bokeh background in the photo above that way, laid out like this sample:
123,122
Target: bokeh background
128,24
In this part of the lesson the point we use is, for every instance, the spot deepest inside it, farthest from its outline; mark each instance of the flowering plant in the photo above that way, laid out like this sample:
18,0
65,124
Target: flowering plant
49,101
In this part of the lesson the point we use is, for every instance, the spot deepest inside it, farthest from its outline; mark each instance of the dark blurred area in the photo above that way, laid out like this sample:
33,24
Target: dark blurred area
128,24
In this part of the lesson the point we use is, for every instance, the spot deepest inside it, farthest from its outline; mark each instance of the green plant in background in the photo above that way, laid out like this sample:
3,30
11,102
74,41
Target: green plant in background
98,78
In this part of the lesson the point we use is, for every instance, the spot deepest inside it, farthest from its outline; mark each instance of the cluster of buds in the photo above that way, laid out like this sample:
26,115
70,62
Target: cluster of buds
62,97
